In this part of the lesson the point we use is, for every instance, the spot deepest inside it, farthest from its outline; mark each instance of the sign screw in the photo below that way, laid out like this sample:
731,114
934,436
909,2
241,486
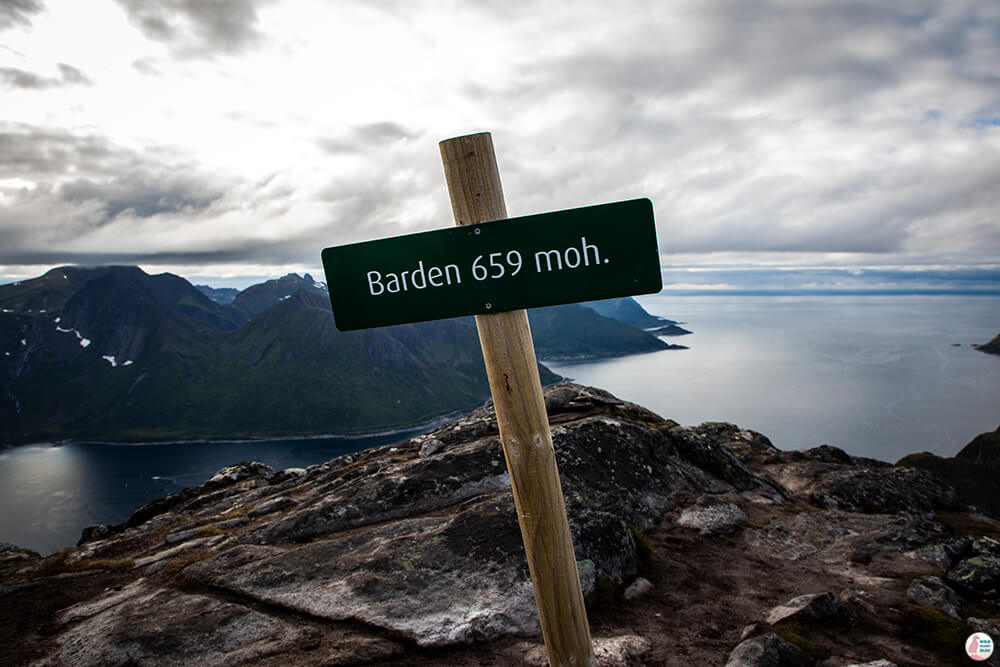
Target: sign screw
489,305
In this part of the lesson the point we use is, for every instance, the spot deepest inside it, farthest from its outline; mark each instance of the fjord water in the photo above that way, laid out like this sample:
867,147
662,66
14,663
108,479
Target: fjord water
49,493
878,376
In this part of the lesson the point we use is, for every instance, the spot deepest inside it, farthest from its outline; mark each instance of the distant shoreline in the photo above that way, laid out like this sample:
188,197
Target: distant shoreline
814,292
421,426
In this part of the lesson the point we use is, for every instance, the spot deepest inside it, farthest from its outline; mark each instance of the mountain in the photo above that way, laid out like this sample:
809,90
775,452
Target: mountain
256,299
974,471
629,311
575,332
112,353
695,545
992,347
220,295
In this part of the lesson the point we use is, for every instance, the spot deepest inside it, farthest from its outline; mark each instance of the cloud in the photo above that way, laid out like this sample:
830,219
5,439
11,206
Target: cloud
144,192
368,137
197,29
835,131
18,12
69,194
19,78
39,153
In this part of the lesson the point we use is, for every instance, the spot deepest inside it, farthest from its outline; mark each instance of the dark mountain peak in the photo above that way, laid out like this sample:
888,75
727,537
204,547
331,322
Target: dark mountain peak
984,449
220,295
116,311
255,299
572,331
50,291
627,310
992,347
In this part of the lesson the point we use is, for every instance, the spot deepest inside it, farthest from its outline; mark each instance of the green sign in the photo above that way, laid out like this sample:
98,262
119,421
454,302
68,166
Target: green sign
583,254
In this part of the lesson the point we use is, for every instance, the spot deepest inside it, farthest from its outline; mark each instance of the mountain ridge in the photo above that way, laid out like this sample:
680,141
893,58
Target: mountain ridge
115,354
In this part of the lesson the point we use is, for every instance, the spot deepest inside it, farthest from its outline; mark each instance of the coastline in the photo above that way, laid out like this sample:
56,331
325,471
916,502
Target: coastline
397,430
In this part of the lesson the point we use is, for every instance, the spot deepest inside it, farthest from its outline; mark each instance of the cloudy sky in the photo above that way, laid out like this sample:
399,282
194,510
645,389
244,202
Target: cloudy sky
828,143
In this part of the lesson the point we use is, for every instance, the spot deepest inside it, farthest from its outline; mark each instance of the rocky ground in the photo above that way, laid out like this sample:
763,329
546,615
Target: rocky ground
696,546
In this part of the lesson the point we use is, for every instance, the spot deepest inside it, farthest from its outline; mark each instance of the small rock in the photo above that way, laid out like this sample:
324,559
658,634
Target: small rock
944,554
11,553
933,592
638,588
184,534
621,651
240,472
827,454
273,505
768,650
713,517
983,625
753,630
288,475
986,546
94,533
814,607
977,577
431,447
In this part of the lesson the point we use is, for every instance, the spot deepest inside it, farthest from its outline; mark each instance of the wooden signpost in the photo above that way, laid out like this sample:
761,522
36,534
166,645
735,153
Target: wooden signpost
583,254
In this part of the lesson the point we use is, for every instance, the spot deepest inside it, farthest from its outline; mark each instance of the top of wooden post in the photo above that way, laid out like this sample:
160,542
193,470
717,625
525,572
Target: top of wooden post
470,170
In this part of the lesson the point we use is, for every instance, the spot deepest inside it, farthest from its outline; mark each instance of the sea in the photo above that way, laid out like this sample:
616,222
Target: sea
880,376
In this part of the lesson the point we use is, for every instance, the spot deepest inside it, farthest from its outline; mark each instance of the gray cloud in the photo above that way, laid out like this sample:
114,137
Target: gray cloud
85,183
19,78
197,29
32,152
835,126
145,192
18,12
367,137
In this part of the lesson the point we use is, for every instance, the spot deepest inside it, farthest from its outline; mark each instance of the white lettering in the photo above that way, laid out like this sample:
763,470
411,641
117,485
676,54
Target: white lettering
586,249
418,278
434,275
418,273
548,255
576,262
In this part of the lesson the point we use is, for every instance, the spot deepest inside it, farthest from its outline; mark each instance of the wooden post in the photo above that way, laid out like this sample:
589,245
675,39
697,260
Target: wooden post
476,196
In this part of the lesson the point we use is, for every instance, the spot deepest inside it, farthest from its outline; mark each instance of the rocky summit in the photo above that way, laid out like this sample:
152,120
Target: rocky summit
700,545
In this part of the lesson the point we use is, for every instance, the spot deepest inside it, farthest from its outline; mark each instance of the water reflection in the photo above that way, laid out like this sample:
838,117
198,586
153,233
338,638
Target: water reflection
50,493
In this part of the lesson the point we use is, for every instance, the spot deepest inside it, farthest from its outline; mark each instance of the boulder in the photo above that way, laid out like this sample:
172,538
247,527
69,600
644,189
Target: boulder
176,628
884,490
810,607
713,516
768,650
977,577
933,592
